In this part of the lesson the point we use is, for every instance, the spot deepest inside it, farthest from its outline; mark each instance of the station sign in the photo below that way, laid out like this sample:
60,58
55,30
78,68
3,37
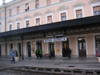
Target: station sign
55,39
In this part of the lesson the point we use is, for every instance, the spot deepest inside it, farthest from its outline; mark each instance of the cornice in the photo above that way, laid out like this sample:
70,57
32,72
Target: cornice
49,11
78,5
37,14
62,8
27,16
93,1
18,19
10,21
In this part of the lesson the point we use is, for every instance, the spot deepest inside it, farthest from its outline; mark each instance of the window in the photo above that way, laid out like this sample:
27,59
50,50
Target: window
18,9
49,19
79,13
10,12
18,25
27,23
63,16
27,7
62,0
38,21
37,4
10,27
96,10
48,2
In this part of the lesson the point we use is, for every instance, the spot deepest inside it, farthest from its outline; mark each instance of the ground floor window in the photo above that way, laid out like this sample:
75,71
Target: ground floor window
97,43
82,46
38,45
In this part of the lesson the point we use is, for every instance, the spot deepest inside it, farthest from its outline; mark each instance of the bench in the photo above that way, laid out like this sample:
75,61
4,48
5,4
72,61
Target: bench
46,55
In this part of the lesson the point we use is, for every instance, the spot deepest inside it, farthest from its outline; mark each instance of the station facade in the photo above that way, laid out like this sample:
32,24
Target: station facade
50,25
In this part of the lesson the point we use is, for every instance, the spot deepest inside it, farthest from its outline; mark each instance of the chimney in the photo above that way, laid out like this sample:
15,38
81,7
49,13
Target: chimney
3,1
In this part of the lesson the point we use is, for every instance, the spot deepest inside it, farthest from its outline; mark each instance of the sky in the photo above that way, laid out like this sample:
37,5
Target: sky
6,1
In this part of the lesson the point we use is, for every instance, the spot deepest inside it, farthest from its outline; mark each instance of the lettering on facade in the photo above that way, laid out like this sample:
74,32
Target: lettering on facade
55,39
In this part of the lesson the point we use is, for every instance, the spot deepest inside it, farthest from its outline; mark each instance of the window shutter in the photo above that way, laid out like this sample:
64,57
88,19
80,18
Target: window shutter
38,21
48,2
78,12
49,19
96,8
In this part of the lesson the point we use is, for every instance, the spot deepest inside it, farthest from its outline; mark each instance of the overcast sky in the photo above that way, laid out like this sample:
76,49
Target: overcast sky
6,1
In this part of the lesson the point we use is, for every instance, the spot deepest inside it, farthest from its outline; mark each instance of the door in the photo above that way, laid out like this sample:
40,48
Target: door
39,45
82,46
29,49
19,49
52,48
0,49
65,44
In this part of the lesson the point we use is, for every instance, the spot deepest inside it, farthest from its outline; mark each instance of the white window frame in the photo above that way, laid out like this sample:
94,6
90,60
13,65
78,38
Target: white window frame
37,18
18,22
50,14
93,5
78,8
63,11
9,25
25,22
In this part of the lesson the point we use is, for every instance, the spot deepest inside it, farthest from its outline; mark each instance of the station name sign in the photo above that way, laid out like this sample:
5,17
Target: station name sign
55,39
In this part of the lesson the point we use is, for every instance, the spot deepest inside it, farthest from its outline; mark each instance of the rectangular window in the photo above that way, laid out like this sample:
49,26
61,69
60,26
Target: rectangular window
48,2
37,4
49,19
10,12
63,16
10,27
27,23
27,7
96,10
18,9
38,21
79,13
18,25
62,0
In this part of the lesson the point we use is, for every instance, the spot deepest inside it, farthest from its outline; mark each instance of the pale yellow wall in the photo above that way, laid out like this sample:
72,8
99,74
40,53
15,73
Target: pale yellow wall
45,48
3,48
58,48
73,45
90,45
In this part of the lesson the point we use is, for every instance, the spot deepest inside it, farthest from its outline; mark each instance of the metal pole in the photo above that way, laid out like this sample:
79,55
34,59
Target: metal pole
22,48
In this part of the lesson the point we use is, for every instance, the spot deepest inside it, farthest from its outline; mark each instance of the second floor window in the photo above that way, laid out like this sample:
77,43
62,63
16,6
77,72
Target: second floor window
49,19
36,3
27,23
10,12
62,0
18,9
18,25
79,13
10,27
48,2
38,21
96,10
27,7
63,16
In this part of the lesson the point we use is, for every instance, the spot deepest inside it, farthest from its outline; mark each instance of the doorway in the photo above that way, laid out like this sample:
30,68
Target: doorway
0,50
65,44
39,45
29,49
19,49
82,46
52,48
10,47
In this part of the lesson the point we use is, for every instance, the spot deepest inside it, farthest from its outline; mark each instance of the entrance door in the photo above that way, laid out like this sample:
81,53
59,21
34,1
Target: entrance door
65,44
19,49
82,47
0,49
52,48
29,49
39,45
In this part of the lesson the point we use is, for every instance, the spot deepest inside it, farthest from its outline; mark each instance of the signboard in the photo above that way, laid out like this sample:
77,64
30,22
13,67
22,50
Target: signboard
55,39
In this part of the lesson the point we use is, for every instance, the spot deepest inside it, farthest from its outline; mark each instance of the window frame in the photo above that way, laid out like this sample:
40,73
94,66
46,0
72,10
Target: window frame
36,5
78,8
9,25
37,18
93,5
50,14
18,22
63,11
18,8
28,19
